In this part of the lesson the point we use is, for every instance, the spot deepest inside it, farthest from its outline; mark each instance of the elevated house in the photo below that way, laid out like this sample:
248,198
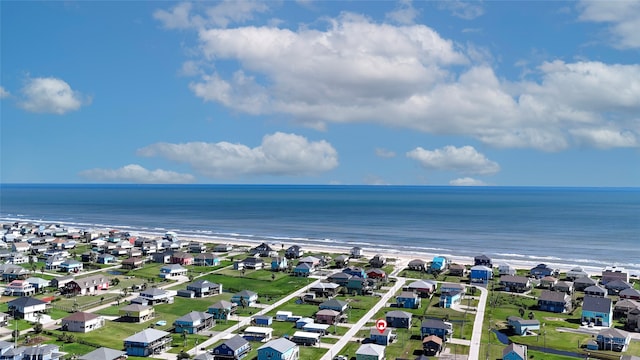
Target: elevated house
303,269
576,273
279,263
378,261
235,348
564,286
197,247
615,286
245,298
223,247
613,339
148,342
82,322
457,270
359,285
548,282
182,258
417,265
206,259
630,293
435,327
19,288
398,319
341,261
377,274
61,281
439,264
325,289
39,284
294,252
554,301
355,271
385,337
257,333
449,298
222,309
157,296
633,320
253,263
356,252
12,272
513,283
172,271
431,346
614,273
424,288
327,316
506,269
279,349
333,304
481,274
132,263
27,308
408,300
623,306
515,351
596,290
136,313
542,270
262,320
521,326
71,266
194,322
104,353
305,338
582,283
340,278
204,288
370,352
90,285
597,311
263,250
482,260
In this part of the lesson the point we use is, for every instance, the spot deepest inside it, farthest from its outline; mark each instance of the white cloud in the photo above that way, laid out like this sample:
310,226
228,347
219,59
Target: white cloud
606,138
279,154
3,93
50,95
179,17
404,14
622,17
467,181
222,14
134,173
465,160
467,10
384,153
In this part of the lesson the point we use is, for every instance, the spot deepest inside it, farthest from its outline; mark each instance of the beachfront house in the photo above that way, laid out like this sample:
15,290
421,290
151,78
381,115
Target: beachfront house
408,300
245,298
197,247
515,351
482,260
439,264
82,322
222,309
435,327
194,322
378,261
613,339
506,269
263,250
279,349
554,301
356,252
223,247
542,270
204,288
370,352
576,273
481,274
521,326
597,311
457,270
293,252
417,265
148,342
234,348
341,261
398,319
511,283
614,273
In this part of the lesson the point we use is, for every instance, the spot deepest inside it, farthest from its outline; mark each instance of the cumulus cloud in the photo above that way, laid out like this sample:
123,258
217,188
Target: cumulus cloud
463,9
467,181
50,95
408,76
222,14
384,153
621,16
465,160
3,93
279,154
404,14
134,173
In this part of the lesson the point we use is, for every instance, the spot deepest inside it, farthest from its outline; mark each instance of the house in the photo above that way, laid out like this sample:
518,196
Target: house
370,352
182,258
19,288
148,342
162,257
27,308
234,348
263,250
325,289
312,261
223,247
257,333
283,315
457,270
303,269
18,258
245,298
172,271
327,316
341,261
623,306
12,272
303,321
385,337
90,285
305,338
613,339
522,326
506,269
482,260
614,273
203,288
417,265
564,286
431,345
513,283
408,299
262,320
206,259
279,349
630,293
340,278
615,286
356,252
196,247
157,296
515,351
355,271
448,298
279,263
333,304
548,282
597,310
439,264
554,301
576,273
82,322
424,288
136,313
595,290
377,274
293,252
194,322
104,353
481,274
53,262
61,281
435,327
222,309
633,320
71,265
38,283
132,263
39,352
253,263
398,319
542,270
582,283
378,261
20,247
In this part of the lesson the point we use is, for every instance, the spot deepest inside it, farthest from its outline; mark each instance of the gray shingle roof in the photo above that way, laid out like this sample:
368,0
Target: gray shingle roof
236,342
597,304
147,336
280,345
103,353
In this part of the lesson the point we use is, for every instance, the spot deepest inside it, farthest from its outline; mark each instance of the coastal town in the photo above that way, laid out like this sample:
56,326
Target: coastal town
109,294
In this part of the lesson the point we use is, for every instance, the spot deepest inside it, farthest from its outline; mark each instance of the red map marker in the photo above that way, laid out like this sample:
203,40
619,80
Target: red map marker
381,325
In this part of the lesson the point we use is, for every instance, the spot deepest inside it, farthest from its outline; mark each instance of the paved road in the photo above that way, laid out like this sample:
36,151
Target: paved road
476,335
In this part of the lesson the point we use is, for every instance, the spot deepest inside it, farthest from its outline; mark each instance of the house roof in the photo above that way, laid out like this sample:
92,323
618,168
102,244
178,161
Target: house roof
399,314
135,307
328,312
103,353
194,316
26,301
370,349
280,345
595,288
248,293
521,321
618,284
584,280
235,342
325,285
434,324
596,304
407,295
422,284
625,292
514,279
202,284
222,304
515,348
334,303
81,316
613,333
147,336
482,257
153,292
553,296
417,262
432,338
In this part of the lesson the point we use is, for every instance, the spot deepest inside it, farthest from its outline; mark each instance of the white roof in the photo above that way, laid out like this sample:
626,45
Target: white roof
306,334
258,330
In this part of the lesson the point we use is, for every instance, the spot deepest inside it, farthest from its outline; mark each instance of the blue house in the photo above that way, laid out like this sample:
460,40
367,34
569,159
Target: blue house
439,263
194,322
222,309
450,297
148,342
521,326
71,265
303,269
435,327
249,297
382,338
235,348
408,300
554,301
262,320
514,351
206,259
398,319
106,259
336,305
279,349
279,263
597,310
355,271
481,274
613,339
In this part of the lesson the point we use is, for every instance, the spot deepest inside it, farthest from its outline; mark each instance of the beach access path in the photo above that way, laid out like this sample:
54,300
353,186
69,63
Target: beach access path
476,334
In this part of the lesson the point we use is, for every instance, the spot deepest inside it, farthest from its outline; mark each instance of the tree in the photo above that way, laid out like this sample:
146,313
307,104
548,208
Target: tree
37,328
115,281
273,276
243,302
531,315
521,311
243,271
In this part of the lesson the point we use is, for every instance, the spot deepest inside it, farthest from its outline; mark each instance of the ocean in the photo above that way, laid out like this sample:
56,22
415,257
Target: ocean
589,227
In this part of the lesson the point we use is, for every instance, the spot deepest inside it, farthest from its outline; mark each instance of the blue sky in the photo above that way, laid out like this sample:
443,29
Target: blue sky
321,92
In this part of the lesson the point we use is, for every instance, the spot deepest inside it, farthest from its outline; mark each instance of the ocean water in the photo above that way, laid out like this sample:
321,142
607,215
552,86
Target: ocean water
590,227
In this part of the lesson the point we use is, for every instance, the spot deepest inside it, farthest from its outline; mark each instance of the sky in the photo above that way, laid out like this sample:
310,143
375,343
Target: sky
469,93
